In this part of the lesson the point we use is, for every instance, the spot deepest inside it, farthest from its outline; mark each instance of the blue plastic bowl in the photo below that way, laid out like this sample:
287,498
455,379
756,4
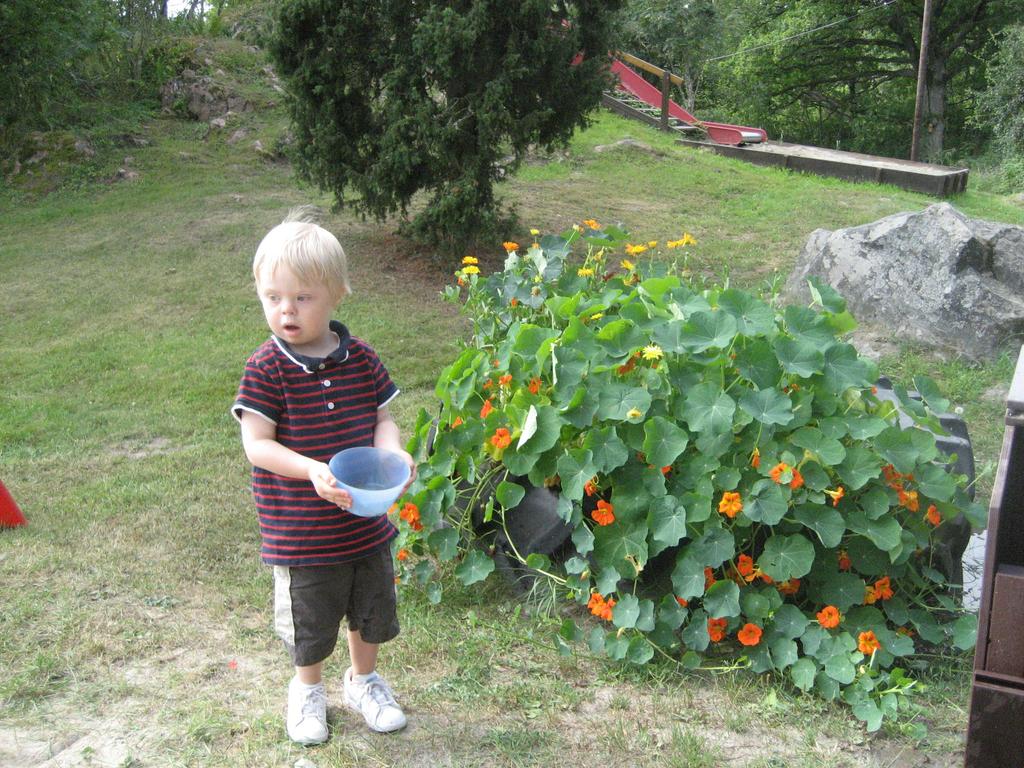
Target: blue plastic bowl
374,478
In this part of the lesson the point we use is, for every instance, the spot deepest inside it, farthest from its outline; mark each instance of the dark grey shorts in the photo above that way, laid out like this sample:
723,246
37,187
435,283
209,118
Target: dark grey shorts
311,601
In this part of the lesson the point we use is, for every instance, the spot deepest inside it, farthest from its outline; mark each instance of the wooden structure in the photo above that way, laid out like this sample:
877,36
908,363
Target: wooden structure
937,180
636,98
995,735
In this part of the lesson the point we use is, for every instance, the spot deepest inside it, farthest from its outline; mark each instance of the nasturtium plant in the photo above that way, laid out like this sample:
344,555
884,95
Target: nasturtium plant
732,483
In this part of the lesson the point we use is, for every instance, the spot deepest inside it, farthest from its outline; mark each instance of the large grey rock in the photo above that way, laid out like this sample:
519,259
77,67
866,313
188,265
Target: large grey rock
934,276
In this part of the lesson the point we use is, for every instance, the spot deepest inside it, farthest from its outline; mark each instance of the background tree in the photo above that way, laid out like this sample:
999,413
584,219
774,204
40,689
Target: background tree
1001,103
852,79
389,98
678,36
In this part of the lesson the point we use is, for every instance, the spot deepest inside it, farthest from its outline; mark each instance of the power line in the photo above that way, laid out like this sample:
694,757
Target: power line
801,34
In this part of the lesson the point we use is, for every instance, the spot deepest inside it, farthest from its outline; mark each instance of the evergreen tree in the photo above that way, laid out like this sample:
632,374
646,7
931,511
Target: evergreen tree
389,98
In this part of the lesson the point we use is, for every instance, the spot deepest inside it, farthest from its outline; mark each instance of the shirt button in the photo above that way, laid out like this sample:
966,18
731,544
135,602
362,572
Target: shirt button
322,366
330,406
327,382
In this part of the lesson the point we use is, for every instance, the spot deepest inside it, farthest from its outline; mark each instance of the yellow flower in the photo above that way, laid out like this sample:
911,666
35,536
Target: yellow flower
628,265
585,272
634,413
534,232
653,352
686,239
597,316
652,244
471,270
535,245
470,260
577,227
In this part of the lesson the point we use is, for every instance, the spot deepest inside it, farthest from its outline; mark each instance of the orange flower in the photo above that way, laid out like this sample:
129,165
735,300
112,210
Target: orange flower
906,631
590,487
488,384
513,302
628,366
488,407
600,607
755,459
867,643
829,617
778,471
505,380
535,385
745,566
510,246
604,514
666,470
683,602
458,422
750,634
709,577
591,224
870,595
844,560
789,587
933,515
501,438
716,629
411,514
403,554
836,495
798,479
882,588
909,500
731,504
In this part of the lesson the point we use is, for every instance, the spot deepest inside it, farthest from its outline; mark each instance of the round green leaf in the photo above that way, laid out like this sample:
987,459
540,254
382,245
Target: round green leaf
722,599
765,503
708,409
824,521
768,406
799,357
575,468
476,567
663,441
444,542
802,673
828,449
786,557
509,494
626,612
708,329
753,316
616,400
688,577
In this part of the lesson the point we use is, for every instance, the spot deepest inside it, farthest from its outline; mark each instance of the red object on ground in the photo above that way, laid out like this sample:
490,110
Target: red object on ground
721,133
10,515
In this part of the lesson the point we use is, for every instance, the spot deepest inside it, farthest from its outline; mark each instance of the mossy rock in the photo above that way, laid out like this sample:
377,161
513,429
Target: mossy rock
41,161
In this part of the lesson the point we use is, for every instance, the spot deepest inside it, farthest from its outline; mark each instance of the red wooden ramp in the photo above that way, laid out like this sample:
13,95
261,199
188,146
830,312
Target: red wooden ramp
650,96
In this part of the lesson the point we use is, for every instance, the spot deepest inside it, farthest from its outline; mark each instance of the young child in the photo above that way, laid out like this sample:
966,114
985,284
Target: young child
311,390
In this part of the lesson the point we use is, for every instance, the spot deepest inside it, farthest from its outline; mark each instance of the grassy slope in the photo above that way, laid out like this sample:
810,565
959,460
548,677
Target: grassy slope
134,600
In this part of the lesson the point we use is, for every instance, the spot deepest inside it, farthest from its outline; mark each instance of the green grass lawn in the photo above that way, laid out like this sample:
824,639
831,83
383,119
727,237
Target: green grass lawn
135,621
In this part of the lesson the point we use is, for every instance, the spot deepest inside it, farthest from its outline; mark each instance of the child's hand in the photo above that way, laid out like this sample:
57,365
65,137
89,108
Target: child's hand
408,459
326,486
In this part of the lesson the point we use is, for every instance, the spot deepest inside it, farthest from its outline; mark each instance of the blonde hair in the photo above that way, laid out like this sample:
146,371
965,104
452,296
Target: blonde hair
312,253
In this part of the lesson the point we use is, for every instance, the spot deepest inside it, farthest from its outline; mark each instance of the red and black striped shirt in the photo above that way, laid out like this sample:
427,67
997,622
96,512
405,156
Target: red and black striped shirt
319,408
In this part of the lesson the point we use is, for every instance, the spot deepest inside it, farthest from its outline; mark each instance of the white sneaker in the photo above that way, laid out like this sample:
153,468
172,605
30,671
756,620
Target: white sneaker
375,701
307,713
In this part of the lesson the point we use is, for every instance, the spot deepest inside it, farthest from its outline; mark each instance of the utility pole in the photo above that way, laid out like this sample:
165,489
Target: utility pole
922,69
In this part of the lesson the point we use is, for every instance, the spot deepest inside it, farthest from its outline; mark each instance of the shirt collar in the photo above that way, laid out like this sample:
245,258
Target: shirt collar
310,364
